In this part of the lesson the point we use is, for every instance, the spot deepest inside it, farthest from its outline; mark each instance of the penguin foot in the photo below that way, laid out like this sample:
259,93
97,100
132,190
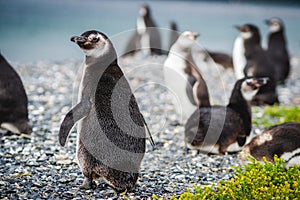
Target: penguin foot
88,184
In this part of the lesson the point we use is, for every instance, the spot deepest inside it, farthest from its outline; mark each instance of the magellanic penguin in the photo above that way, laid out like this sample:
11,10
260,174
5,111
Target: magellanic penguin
217,129
183,78
147,37
13,100
277,49
257,63
282,140
111,130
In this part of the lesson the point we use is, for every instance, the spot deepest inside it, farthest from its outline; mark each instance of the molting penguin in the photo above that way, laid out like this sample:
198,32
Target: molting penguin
183,77
282,140
147,37
111,140
277,49
257,63
13,100
217,129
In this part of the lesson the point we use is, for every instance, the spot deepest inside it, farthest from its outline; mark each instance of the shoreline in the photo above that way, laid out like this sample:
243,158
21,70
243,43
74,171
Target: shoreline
35,166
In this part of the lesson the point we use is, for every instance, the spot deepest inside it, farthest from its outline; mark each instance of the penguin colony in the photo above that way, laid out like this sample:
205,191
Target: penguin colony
111,128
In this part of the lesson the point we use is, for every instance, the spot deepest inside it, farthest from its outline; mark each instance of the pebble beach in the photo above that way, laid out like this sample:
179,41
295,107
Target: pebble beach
36,167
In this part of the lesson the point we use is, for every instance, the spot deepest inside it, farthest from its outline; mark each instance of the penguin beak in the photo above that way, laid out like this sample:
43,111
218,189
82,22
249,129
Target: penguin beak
241,28
238,27
196,35
78,39
268,22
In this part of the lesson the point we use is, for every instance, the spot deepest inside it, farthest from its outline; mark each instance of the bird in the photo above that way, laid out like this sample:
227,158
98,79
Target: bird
183,78
252,59
217,129
13,100
277,49
146,37
111,128
282,140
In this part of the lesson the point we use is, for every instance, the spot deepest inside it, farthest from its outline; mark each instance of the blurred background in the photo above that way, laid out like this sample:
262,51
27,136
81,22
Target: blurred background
32,30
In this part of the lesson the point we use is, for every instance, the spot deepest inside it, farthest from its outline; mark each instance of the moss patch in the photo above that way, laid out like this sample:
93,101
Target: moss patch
276,115
253,181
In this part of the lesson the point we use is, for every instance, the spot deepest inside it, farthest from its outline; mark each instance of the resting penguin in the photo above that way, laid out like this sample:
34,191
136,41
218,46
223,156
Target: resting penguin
277,49
255,63
147,37
217,129
111,140
183,78
282,140
13,100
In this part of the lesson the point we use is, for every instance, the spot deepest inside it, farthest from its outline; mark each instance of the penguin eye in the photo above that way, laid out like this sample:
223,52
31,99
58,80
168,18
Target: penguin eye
95,39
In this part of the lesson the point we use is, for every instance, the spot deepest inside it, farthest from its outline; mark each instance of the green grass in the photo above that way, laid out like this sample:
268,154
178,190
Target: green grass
253,181
276,115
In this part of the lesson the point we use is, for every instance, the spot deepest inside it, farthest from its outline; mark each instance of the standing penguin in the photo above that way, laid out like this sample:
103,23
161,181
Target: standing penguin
183,77
216,128
111,140
277,49
257,63
147,37
13,100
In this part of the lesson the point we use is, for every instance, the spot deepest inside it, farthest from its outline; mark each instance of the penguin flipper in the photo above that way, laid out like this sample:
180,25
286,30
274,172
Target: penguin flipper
80,111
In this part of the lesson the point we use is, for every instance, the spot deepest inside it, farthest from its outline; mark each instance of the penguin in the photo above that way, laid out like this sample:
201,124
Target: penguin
146,37
282,140
174,34
13,100
217,129
277,49
111,128
183,78
257,63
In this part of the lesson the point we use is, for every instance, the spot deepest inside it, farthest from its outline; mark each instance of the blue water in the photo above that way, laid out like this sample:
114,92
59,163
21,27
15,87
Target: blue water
33,30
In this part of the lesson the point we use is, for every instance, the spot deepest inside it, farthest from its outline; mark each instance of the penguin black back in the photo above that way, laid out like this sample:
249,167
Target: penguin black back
277,49
13,99
213,129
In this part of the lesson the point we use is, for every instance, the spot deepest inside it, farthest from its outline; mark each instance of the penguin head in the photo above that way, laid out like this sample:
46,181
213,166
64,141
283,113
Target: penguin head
275,24
92,43
144,10
248,31
187,39
251,85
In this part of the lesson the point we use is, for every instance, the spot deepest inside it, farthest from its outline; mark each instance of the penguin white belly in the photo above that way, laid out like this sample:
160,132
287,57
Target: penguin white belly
176,82
213,149
291,158
238,58
145,38
235,147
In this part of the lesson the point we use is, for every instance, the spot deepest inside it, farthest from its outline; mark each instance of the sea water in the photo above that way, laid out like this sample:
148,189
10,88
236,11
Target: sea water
33,30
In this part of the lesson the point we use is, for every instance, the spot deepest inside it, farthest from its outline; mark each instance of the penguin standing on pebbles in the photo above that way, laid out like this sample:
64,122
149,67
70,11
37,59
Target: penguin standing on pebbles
217,129
111,140
183,78
249,56
13,100
147,37
282,140
277,49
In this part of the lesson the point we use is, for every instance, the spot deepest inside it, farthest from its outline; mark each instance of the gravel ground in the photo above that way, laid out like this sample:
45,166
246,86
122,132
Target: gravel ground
36,167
